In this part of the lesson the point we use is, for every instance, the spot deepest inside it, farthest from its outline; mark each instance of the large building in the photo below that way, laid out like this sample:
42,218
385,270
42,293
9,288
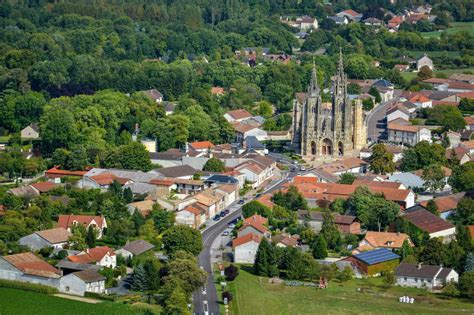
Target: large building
328,130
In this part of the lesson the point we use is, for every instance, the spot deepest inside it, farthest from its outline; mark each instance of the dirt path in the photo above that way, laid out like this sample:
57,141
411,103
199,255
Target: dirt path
78,298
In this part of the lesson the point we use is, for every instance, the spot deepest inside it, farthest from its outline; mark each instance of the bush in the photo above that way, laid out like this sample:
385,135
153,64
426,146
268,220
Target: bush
227,295
100,296
231,272
39,288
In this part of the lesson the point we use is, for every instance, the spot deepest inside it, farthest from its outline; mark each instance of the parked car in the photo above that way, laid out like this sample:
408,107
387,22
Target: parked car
217,217
226,211
222,214
257,195
241,202
205,307
231,226
225,233
204,291
303,168
295,162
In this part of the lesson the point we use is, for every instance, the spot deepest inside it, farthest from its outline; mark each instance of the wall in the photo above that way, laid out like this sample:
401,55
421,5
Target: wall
246,253
71,284
377,269
415,282
8,272
34,242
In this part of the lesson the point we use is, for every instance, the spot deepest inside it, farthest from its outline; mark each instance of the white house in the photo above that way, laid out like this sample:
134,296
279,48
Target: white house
424,61
237,115
30,132
245,248
134,248
244,130
100,256
67,221
421,101
424,276
80,282
192,215
398,112
407,134
253,172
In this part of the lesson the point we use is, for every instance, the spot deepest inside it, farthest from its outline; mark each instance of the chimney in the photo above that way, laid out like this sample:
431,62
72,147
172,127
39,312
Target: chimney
419,266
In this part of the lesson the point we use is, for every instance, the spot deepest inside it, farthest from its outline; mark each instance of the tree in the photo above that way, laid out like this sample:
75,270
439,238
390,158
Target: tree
231,272
463,177
389,278
469,265
255,207
367,104
77,240
466,284
347,178
265,260
406,249
184,267
128,195
214,165
424,73
357,67
330,232
433,176
422,155
434,252
354,88
346,274
450,289
58,129
381,161
181,237
375,93
450,117
465,211
176,303
139,280
91,236
163,219
320,248
226,295
466,104
133,156
432,207
291,199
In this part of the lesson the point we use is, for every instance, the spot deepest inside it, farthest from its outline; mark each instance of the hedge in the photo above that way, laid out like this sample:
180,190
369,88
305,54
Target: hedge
39,288
100,296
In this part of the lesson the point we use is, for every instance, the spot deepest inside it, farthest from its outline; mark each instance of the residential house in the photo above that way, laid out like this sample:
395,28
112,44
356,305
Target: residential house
193,215
347,165
67,221
181,171
30,132
446,171
201,146
435,82
373,240
469,123
154,95
80,282
454,139
24,192
68,267
163,186
339,20
457,87
100,256
421,101
169,107
55,174
134,248
372,21
394,23
468,145
424,61
253,172
460,153
376,183
430,223
409,135
103,181
230,192
285,240
149,144
144,207
55,238
313,219
213,202
461,77
401,68
254,225
424,276
347,224
244,130
398,111
446,204
385,89
350,14
245,248
396,150
217,91
374,262
237,115
27,267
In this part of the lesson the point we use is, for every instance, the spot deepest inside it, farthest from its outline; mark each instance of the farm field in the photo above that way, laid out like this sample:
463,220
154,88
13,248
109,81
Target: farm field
455,27
19,302
254,295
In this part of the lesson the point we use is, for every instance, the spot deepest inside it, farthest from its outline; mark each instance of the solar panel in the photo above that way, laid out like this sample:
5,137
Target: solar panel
376,256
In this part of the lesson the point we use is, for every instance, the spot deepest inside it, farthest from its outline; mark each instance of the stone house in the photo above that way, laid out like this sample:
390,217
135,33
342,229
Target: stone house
55,238
424,61
80,282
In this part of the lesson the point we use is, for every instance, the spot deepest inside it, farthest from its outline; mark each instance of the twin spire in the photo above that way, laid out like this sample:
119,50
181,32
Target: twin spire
313,88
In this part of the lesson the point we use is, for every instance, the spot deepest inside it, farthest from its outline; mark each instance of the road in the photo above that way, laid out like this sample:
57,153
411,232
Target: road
376,125
208,237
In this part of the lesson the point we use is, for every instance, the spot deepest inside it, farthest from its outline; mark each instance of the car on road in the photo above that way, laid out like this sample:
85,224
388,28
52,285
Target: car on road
231,226
227,211
217,217
204,291
303,168
295,162
222,214
258,195
241,202
225,233
205,307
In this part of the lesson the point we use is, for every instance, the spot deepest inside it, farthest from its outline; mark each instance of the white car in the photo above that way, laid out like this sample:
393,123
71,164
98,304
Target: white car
303,168
225,233
231,226
204,291
205,307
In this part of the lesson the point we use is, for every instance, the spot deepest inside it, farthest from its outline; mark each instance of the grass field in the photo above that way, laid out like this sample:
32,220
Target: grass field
455,27
254,295
19,302
410,75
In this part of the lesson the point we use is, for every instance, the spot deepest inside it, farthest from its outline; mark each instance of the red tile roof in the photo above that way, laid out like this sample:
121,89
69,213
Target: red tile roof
427,221
239,114
107,179
162,182
469,120
372,183
217,90
67,220
56,172
446,203
350,12
471,229
92,255
392,126
43,187
242,128
466,95
265,199
419,99
201,145
54,236
245,239
461,86
305,180
29,264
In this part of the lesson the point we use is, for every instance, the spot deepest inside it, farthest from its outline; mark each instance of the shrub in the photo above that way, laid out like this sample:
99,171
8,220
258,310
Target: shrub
227,295
231,272
39,288
100,296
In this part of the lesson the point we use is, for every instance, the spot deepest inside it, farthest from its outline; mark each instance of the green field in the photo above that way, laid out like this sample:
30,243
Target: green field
254,295
455,27
410,75
19,302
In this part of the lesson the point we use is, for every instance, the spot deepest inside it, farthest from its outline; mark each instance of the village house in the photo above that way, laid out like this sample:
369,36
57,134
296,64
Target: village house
313,219
103,181
154,95
347,224
237,115
401,68
245,248
347,165
460,153
27,267
424,276
80,282
424,61
396,150
469,123
134,248
201,146
193,215
255,225
144,207
55,238
182,171
409,135
100,256
244,130
374,240
30,132
24,192
430,223
55,174
67,221
285,240
217,91
446,204
398,111
351,15
421,101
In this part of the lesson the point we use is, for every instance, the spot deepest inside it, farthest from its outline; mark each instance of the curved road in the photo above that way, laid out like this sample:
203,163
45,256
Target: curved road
376,125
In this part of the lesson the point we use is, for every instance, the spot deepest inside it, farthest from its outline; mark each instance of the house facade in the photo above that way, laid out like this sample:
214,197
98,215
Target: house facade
78,283
55,238
424,276
245,248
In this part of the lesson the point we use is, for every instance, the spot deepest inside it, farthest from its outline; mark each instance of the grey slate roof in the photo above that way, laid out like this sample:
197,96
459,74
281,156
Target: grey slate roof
138,247
421,271
176,171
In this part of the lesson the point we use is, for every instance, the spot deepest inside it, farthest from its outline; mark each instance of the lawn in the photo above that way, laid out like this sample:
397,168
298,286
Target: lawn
455,27
254,295
20,302
410,75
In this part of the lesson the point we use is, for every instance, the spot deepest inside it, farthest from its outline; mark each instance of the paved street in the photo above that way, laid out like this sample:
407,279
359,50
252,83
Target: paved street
208,237
376,125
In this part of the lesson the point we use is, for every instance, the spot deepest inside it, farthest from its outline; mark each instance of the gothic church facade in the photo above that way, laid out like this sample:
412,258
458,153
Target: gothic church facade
327,130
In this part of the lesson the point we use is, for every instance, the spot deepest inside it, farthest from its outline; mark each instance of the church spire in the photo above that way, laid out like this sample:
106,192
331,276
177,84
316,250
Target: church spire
340,66
314,87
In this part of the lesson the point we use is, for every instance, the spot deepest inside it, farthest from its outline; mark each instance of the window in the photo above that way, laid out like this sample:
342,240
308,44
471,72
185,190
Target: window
67,289
405,279
416,279
429,281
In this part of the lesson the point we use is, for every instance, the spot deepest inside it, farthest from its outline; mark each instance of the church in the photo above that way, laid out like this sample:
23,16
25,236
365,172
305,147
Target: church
328,130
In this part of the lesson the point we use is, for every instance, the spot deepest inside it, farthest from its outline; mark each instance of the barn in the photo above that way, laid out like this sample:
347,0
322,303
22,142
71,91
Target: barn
374,262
